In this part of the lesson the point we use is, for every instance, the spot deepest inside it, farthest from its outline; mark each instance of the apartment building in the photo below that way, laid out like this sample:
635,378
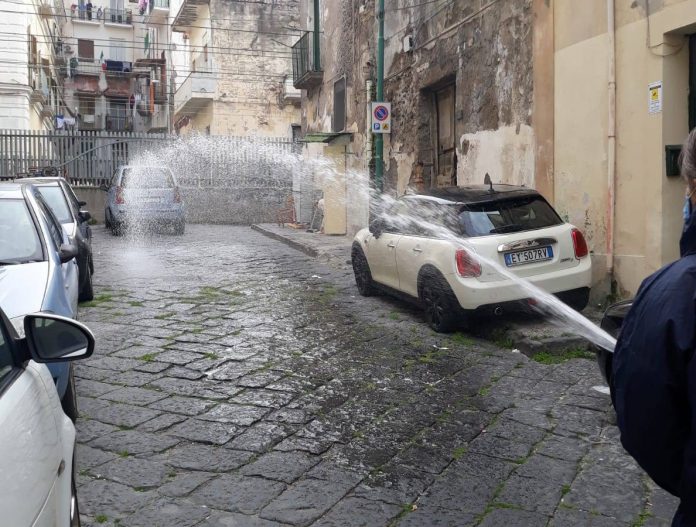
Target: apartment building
30,63
116,74
234,67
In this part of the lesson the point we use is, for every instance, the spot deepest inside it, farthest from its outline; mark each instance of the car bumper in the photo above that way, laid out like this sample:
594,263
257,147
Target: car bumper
124,216
473,294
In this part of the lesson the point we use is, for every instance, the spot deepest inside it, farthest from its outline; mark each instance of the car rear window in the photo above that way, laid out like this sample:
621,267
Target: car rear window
56,200
19,240
147,177
505,216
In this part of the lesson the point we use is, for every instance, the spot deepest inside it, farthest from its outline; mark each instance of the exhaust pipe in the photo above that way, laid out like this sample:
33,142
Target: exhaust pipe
498,311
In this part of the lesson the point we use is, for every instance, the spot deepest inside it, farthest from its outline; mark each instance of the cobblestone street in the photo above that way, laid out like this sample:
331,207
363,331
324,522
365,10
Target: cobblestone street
238,382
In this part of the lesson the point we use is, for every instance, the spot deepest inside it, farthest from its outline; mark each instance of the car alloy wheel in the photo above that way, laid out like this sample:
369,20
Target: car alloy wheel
441,306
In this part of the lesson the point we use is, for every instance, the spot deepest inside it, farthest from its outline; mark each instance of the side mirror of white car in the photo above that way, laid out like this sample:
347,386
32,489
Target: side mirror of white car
67,252
52,338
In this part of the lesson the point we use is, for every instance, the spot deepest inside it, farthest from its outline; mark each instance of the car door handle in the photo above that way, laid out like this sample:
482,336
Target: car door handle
391,245
417,250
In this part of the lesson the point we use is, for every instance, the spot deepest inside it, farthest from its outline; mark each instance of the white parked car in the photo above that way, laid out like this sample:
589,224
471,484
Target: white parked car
414,248
37,472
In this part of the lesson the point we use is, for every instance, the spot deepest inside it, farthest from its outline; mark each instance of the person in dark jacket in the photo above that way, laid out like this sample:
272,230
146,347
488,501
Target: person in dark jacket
654,371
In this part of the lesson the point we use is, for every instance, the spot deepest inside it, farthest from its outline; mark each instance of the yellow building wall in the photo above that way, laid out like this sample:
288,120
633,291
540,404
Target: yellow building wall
647,221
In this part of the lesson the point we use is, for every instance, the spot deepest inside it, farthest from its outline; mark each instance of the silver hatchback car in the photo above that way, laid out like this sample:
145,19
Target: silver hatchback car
144,196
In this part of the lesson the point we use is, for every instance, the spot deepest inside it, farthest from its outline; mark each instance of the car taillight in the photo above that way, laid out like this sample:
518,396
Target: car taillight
579,244
467,265
177,195
119,196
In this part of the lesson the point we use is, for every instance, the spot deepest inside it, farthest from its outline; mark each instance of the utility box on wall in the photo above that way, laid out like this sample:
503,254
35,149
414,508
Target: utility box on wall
672,160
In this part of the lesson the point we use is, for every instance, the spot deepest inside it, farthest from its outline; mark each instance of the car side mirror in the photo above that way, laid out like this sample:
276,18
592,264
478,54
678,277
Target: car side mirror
82,203
52,338
67,252
85,215
377,227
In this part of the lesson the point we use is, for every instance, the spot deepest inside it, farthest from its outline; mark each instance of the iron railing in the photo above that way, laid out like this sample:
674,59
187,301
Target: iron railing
118,16
306,68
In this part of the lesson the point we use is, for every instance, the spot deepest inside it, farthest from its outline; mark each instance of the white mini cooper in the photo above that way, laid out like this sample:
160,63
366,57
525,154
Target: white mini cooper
450,248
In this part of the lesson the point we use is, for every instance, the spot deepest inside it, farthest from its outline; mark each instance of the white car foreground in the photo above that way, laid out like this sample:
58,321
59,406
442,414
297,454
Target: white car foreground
37,474
450,249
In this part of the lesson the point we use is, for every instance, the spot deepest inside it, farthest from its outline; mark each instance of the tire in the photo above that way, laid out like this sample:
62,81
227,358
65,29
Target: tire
107,220
74,506
116,229
361,270
87,290
69,402
180,228
442,309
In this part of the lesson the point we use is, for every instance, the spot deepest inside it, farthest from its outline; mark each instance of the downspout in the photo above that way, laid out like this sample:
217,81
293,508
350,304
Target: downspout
368,128
611,139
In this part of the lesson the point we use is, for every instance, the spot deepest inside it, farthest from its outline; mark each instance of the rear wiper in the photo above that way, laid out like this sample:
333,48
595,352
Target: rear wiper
512,227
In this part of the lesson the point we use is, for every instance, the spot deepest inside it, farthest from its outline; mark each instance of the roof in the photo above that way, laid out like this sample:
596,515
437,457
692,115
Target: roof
39,180
477,193
10,191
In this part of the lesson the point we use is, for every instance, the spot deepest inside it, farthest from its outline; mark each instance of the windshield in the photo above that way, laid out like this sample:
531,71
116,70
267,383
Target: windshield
19,240
511,215
147,177
56,200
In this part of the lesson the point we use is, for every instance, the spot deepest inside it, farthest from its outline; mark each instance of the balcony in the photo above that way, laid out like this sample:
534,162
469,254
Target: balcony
119,123
80,14
90,121
157,11
85,67
39,85
118,16
306,68
187,14
195,92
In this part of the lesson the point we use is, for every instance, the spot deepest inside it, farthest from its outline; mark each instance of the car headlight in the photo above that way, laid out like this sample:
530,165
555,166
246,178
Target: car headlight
18,324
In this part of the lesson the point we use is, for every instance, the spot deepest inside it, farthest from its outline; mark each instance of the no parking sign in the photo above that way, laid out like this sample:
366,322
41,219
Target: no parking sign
381,117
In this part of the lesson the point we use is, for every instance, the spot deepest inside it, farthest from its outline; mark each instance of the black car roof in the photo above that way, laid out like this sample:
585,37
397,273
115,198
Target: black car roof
476,193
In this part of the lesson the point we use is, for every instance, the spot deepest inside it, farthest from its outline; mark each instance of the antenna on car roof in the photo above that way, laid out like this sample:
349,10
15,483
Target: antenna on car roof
487,181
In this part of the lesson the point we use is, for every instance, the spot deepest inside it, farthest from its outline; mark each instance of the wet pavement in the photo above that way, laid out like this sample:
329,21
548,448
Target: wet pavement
239,382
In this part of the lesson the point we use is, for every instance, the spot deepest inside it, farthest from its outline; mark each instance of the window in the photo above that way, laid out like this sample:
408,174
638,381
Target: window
19,239
86,105
56,200
6,362
85,50
117,48
116,5
446,163
339,106
54,228
117,114
510,215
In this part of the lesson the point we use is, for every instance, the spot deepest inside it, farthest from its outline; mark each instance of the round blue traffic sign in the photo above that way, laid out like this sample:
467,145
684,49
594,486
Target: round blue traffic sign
381,113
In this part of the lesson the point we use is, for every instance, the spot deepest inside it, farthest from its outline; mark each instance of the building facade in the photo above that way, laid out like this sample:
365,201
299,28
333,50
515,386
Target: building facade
585,102
116,76
234,67
30,64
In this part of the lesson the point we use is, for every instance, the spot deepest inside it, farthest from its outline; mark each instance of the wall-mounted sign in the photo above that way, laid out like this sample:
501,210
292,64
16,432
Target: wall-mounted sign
655,97
381,117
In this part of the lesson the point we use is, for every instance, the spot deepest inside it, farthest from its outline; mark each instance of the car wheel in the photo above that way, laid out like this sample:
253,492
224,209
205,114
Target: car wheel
577,299
180,228
442,309
107,219
363,276
74,507
69,402
116,229
87,290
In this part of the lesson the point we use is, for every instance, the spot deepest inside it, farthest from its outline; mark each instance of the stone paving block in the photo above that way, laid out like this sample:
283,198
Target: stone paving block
134,442
236,493
261,397
168,513
178,357
90,388
281,466
491,445
152,367
160,423
190,406
88,429
134,472
235,519
260,437
436,517
205,431
113,500
181,372
304,444
92,373
135,352
137,396
113,363
234,413
194,456
538,466
565,517
395,484
183,483
607,492
518,518
305,501
289,416
530,494
571,449
358,512
260,379
515,431
117,414
134,377
200,388
87,458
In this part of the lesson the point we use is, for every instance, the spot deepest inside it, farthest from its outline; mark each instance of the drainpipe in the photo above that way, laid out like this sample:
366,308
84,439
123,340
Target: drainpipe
317,48
379,139
611,138
368,141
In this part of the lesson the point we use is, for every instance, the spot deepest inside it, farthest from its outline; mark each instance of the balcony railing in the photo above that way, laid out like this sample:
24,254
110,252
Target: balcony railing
119,123
39,85
84,67
306,68
118,16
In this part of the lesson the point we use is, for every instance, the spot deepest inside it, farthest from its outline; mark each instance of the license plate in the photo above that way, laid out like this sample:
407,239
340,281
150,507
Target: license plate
151,200
539,254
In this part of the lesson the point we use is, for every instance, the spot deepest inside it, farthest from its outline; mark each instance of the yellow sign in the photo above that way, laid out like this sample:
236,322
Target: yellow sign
655,97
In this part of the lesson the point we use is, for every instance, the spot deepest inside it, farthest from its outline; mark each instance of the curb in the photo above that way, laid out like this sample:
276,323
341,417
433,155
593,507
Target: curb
306,249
